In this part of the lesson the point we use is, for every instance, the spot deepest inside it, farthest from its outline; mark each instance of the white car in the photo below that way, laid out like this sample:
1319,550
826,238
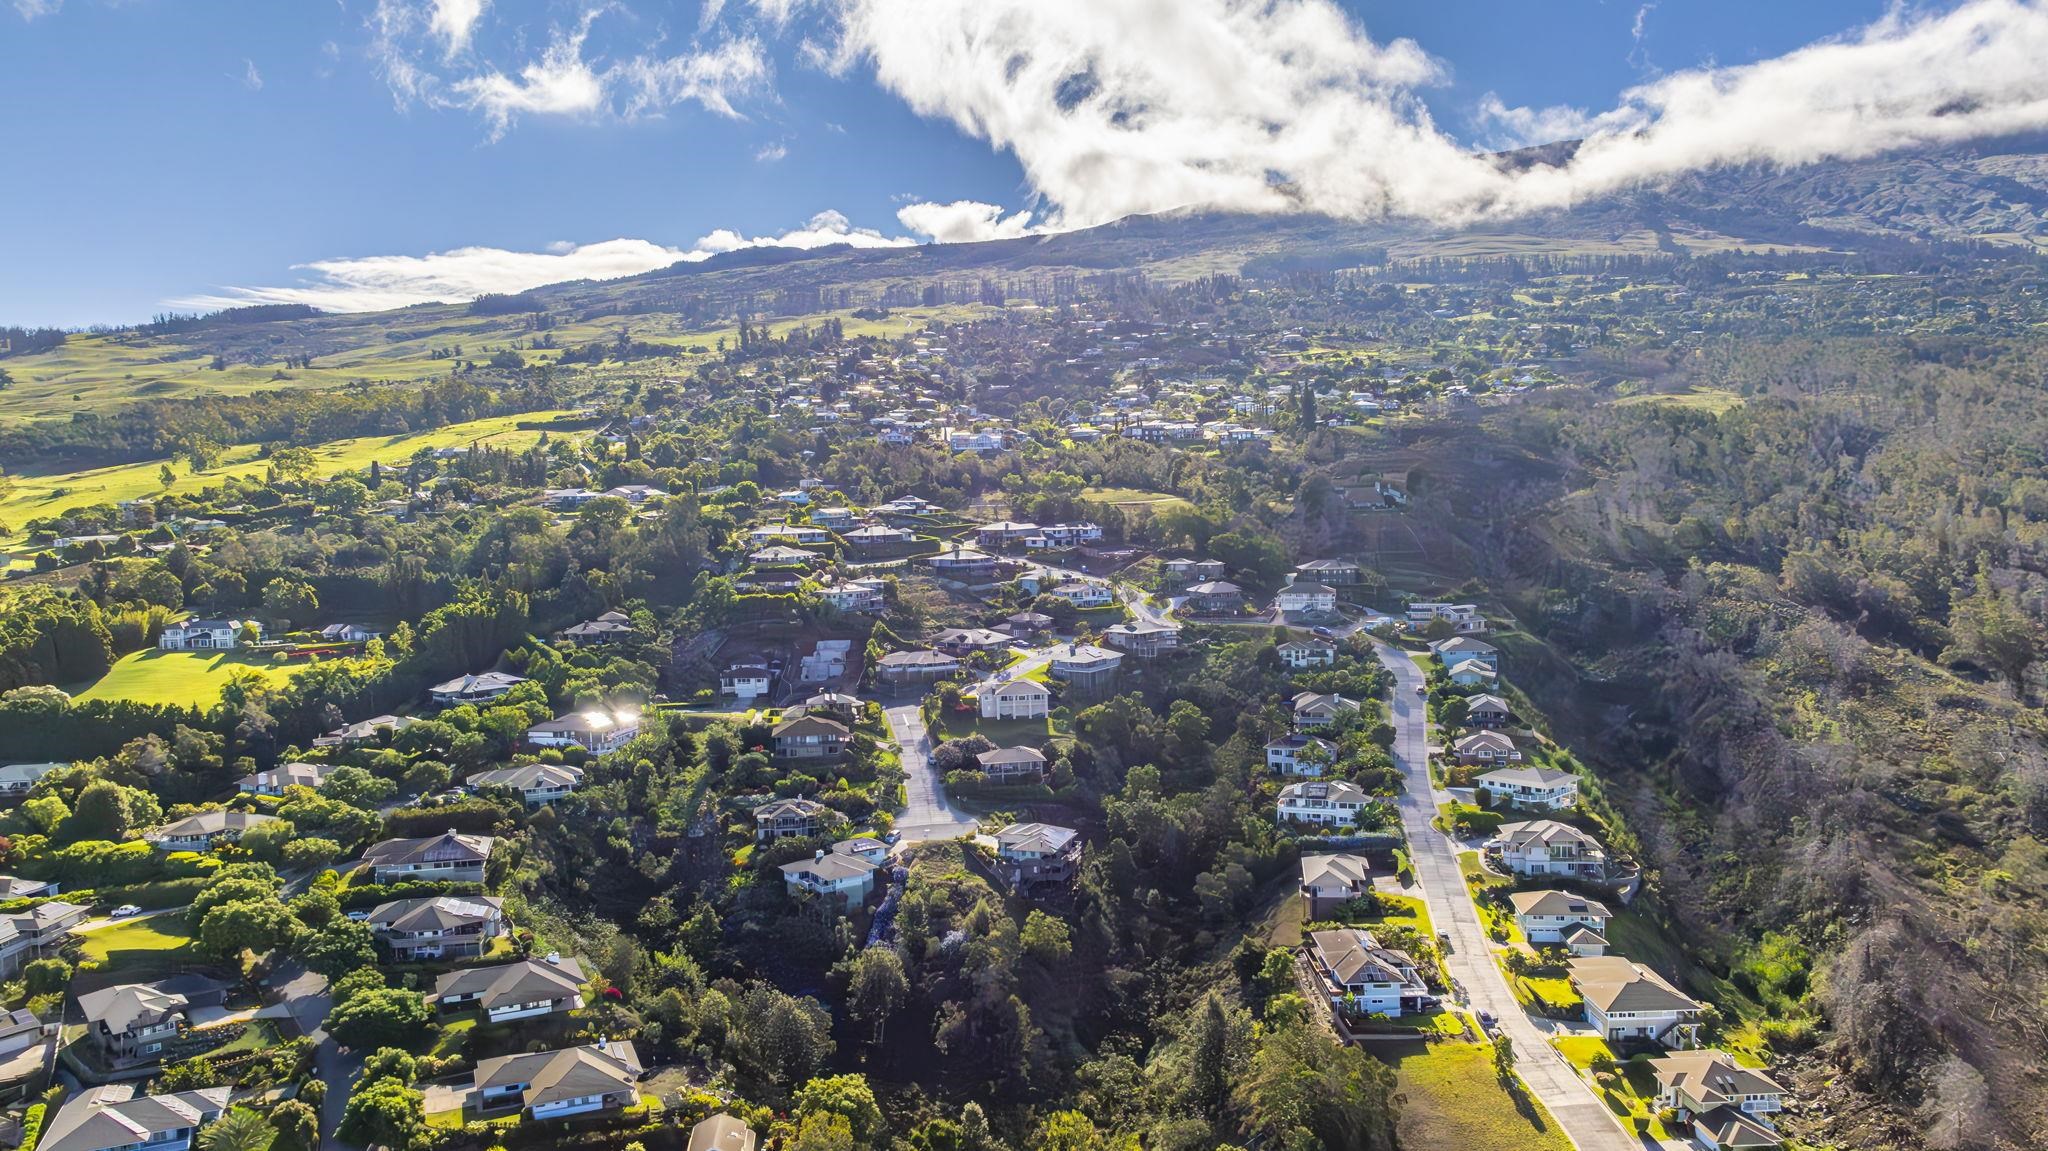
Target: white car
126,910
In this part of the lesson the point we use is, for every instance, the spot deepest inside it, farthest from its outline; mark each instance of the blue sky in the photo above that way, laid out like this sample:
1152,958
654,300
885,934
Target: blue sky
166,150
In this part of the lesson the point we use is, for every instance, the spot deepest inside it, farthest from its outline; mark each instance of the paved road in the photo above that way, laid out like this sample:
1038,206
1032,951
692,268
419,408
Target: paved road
926,813
1570,1101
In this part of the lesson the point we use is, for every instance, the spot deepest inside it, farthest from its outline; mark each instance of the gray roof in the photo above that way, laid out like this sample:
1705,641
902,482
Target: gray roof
434,913
527,981
448,847
721,1132
110,1116
571,1073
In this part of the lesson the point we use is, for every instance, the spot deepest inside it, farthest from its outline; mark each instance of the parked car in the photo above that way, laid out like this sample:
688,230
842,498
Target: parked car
1421,689
126,910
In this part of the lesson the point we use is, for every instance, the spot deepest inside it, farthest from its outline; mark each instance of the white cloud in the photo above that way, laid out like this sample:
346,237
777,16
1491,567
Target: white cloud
771,153
373,283
1116,107
251,78
712,78
560,83
964,221
30,9
455,21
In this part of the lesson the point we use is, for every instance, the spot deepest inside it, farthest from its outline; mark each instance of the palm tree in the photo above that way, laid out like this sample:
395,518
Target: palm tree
239,1130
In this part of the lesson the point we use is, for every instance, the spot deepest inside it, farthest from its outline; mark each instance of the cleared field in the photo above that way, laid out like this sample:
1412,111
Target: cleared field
160,938
1698,399
1454,1102
1134,498
32,496
182,678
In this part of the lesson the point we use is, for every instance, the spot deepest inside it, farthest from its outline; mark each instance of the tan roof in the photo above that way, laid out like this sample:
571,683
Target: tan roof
1614,983
1545,832
1711,1077
1334,870
448,847
1731,1127
721,1132
1354,956
527,981
571,1073
124,1005
1523,776
1559,903
110,1116
435,912
811,725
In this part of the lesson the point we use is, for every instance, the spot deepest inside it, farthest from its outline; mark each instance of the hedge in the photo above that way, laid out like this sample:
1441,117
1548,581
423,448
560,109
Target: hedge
161,893
32,1127
370,895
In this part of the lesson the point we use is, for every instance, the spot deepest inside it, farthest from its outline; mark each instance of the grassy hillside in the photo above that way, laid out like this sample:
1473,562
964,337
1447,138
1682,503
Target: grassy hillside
181,678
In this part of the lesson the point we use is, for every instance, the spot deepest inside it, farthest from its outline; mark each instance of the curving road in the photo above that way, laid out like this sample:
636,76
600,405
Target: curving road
926,813
1570,1101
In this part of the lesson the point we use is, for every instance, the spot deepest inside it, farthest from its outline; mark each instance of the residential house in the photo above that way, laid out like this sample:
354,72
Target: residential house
841,878
1183,571
915,666
1084,594
610,627
536,783
371,730
112,1118
834,517
1328,881
567,499
1342,573
1333,802
1029,855
1012,765
200,832
131,1022
863,595
1558,917
1027,623
961,563
1306,597
520,990
1458,649
601,1076
17,778
965,440
348,633
1315,709
834,705
636,494
745,681
813,737
863,847
1303,653
1360,977
1544,847
782,556
1485,749
826,661
1004,533
1464,617
438,927
791,818
1627,1002
1142,639
1486,710
286,775
15,887
1063,536
36,933
963,641
1085,665
481,688
598,731
798,533
1728,1105
1472,673
1015,699
205,634
1300,755
721,1132
451,856
875,538
1543,788
1215,597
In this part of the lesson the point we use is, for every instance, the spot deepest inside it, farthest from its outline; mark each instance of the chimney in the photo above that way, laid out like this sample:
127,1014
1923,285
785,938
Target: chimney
818,856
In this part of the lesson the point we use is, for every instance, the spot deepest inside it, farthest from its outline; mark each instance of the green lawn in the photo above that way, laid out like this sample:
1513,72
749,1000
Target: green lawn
1001,732
183,678
1454,1102
1630,1093
1555,991
1711,400
1128,498
158,939
31,496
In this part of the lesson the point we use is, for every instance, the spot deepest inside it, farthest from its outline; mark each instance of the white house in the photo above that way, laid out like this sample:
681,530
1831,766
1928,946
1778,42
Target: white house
1458,649
1012,764
1363,978
17,778
1085,665
841,877
854,595
536,783
786,818
1334,802
1573,921
1085,593
1472,673
111,1117
1546,847
1314,709
746,681
597,731
1627,1002
205,634
1729,1106
1303,653
1300,755
438,927
520,990
601,1076
1544,788
482,688
286,775
1015,699
1464,617
1306,597
1485,749
451,856
1328,880
199,832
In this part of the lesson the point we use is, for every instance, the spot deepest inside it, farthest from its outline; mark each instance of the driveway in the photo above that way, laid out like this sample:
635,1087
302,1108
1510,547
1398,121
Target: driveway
926,813
1549,1077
